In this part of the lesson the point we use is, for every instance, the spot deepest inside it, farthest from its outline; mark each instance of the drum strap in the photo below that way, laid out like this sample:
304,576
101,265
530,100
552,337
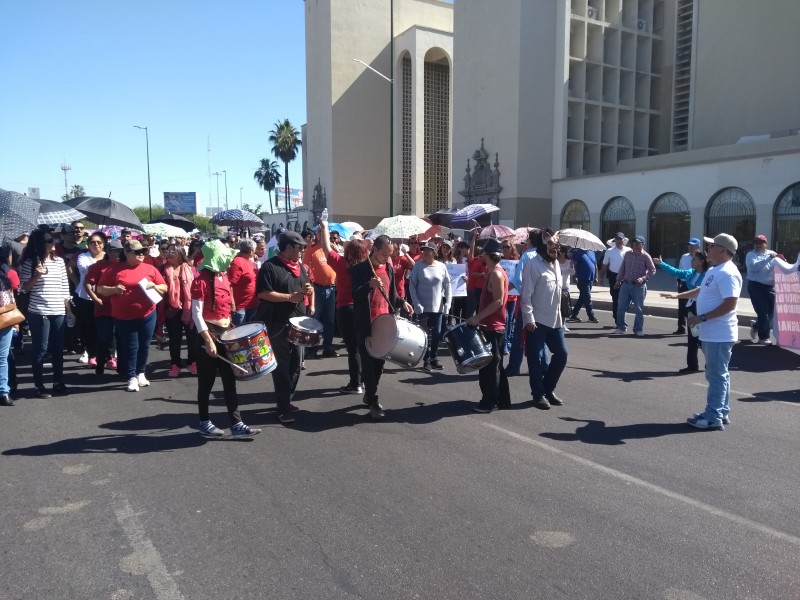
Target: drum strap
383,293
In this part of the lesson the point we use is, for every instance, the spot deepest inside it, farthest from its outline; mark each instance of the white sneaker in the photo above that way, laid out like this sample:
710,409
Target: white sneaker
133,384
84,359
143,380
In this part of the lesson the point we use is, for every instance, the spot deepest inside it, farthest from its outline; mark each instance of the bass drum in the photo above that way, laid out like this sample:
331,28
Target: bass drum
468,347
397,340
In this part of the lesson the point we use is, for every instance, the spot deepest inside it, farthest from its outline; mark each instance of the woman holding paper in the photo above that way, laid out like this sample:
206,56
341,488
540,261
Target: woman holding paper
134,288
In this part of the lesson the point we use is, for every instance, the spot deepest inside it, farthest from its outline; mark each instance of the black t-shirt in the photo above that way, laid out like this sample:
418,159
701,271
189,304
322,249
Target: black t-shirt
274,276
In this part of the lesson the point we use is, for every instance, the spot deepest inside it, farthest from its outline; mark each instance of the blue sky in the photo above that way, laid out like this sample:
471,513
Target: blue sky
77,76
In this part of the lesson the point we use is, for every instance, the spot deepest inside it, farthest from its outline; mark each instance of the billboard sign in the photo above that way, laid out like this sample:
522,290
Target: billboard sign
180,202
295,198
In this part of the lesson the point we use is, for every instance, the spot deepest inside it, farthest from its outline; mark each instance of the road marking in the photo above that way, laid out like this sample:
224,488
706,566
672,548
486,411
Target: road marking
719,512
63,510
552,539
748,395
145,559
76,469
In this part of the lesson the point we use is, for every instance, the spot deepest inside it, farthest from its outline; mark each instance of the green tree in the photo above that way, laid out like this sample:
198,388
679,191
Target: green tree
285,145
256,210
143,212
268,177
76,192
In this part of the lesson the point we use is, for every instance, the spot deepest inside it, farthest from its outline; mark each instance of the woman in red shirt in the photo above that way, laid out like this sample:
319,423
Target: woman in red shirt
355,251
103,321
212,308
134,313
242,275
178,274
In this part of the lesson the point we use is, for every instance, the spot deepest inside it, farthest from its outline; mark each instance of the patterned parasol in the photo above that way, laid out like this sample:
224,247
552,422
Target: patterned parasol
17,215
237,217
495,231
580,238
401,226
164,230
53,213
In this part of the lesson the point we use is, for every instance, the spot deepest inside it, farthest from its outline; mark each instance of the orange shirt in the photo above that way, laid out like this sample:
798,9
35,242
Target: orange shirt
319,269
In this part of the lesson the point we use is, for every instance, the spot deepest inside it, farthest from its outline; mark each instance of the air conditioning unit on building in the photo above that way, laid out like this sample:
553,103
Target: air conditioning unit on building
641,25
591,12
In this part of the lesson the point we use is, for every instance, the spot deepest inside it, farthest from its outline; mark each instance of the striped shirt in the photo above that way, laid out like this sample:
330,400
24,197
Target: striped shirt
47,295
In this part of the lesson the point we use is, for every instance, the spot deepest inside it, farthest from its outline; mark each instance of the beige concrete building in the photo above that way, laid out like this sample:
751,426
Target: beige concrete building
351,139
661,117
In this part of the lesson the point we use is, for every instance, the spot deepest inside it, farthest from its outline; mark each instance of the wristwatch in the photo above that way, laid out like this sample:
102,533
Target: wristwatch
703,318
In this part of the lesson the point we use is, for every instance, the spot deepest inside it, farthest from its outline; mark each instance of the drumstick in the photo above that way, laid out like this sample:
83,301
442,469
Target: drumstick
233,364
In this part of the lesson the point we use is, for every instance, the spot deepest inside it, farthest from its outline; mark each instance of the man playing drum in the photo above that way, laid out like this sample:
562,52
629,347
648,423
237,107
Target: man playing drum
212,307
491,317
373,292
282,286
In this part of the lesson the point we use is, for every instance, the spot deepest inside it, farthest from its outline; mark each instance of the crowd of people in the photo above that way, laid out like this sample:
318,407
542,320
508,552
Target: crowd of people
111,298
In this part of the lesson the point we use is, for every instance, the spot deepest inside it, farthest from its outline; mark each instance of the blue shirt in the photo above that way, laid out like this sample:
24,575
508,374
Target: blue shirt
516,281
585,264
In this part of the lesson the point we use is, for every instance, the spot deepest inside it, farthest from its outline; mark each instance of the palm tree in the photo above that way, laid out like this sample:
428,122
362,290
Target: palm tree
268,177
77,191
285,144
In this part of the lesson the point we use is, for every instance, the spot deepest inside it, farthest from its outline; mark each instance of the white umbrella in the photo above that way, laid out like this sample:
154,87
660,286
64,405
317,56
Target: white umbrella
401,226
581,239
164,230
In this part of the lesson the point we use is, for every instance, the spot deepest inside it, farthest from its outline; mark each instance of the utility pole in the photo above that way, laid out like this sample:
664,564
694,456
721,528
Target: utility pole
226,188
149,194
65,167
240,198
217,174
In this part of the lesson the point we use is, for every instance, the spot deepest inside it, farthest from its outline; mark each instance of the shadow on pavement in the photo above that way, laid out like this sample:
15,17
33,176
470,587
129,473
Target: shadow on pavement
792,396
629,375
129,443
597,432
754,358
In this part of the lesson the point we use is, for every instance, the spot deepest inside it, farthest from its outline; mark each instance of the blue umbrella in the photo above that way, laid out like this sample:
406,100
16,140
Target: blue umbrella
343,231
479,213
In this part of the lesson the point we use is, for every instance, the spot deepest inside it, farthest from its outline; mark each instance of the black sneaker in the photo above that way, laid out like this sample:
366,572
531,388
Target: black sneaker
679,331
292,408
43,393
553,399
330,353
60,389
435,364
5,400
242,430
426,366
593,320
480,408
376,411
286,417
209,430
351,389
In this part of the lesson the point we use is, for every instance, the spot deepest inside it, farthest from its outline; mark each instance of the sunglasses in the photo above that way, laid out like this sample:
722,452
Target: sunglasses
141,252
96,242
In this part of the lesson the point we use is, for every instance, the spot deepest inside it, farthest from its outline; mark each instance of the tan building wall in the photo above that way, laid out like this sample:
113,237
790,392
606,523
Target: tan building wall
348,106
746,79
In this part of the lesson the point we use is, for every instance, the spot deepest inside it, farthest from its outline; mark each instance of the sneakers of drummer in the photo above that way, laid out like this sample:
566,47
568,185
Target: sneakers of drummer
351,389
208,429
286,417
242,430
426,366
193,368
436,365
541,403
376,411
143,380
330,353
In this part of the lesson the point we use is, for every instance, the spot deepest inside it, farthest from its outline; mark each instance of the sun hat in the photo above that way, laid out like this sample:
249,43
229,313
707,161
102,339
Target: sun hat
217,256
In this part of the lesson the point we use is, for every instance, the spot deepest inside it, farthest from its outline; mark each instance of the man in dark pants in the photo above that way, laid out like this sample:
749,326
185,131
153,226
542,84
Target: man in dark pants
612,261
684,264
491,316
282,286
374,294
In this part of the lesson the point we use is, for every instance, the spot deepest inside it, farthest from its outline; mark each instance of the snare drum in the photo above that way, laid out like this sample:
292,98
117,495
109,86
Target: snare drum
397,340
248,346
305,331
468,347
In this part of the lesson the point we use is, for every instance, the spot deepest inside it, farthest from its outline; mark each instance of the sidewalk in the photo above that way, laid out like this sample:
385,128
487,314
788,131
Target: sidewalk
657,306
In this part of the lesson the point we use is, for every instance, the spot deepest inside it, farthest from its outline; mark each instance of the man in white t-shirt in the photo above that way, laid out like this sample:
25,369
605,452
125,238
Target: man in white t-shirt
612,261
717,298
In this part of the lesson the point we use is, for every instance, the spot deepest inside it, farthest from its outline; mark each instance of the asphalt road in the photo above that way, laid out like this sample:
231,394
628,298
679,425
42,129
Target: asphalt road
112,495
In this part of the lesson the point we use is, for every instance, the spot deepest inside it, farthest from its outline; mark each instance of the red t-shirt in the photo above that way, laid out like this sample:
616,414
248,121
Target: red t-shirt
242,277
201,290
401,266
92,277
497,320
134,303
475,266
344,283
377,303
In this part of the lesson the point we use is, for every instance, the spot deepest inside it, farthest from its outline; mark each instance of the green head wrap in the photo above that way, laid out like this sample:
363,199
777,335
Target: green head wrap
217,257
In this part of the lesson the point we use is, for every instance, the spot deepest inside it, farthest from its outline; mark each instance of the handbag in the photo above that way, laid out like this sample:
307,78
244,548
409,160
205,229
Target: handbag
10,316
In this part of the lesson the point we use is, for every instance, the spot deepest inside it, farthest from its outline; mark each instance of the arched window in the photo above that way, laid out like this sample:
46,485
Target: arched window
786,227
670,223
575,215
617,215
732,210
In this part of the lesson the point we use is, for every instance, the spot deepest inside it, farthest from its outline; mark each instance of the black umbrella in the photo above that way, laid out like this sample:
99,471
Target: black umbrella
17,215
442,217
175,220
105,211
53,213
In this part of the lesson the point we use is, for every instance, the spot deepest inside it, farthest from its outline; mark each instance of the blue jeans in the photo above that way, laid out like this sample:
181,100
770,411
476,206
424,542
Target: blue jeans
543,376
630,292
135,336
242,316
47,334
433,323
5,347
104,338
511,319
325,312
718,356
584,299
515,353
763,298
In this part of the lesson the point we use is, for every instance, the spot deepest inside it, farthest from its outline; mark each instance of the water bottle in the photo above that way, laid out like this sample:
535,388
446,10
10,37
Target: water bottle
324,216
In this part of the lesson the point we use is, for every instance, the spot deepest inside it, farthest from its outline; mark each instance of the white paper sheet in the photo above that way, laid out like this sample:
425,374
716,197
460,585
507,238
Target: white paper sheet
151,293
458,285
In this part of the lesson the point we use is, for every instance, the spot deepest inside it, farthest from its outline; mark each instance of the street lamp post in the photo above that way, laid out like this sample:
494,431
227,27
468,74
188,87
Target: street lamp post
226,188
240,199
149,193
217,174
